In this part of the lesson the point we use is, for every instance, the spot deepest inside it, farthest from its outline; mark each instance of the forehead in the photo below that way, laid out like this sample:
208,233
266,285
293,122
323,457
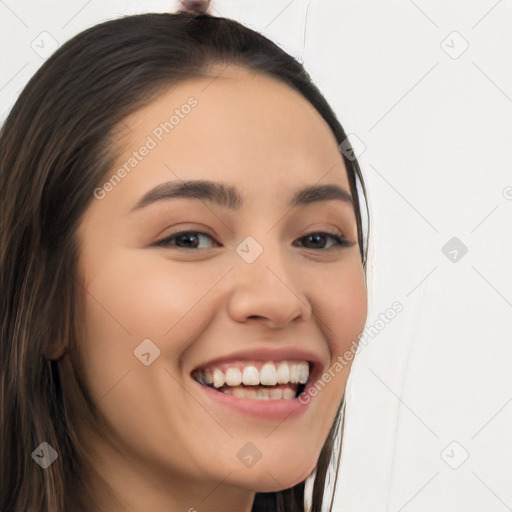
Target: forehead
234,126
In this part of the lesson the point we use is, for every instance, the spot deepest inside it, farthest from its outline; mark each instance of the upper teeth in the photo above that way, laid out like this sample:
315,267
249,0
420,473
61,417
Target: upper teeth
268,374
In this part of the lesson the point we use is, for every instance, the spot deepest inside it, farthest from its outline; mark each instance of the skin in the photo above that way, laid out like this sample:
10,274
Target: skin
261,136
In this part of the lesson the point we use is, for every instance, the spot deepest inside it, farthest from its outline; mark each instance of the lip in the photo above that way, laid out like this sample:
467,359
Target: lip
264,409
256,408
268,354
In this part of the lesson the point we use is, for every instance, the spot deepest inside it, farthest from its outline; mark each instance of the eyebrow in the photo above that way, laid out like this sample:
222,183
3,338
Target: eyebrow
228,196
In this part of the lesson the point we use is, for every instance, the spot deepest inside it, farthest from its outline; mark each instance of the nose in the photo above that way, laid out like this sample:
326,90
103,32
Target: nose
269,291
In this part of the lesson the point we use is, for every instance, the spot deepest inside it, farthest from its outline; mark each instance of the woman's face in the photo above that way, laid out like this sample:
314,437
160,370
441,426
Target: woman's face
244,287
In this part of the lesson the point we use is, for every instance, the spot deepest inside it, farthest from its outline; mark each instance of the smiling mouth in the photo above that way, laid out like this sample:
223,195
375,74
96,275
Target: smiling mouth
259,392
284,380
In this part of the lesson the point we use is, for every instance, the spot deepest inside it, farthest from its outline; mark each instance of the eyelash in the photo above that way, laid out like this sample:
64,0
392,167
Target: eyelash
340,242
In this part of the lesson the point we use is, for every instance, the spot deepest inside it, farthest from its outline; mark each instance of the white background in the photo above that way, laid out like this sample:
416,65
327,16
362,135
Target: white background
429,411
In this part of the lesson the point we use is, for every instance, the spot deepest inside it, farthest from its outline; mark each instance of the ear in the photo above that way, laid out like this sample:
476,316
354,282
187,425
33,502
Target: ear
56,350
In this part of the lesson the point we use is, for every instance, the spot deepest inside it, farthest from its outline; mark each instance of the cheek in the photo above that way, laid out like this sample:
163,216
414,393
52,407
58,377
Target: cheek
137,294
340,308
131,297
342,316
343,308
354,309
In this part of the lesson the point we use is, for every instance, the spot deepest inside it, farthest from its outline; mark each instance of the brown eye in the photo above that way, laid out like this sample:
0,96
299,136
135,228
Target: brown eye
318,238
191,240
183,240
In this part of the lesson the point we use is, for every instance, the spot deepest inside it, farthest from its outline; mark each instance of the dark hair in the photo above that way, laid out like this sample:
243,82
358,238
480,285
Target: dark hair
56,146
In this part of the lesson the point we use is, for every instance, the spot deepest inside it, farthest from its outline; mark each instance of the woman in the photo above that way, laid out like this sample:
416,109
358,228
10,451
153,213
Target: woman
142,370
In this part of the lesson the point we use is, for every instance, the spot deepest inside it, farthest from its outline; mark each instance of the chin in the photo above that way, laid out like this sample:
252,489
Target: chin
291,478
277,477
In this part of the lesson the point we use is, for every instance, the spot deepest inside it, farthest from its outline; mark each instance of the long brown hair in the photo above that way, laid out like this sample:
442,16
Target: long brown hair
56,147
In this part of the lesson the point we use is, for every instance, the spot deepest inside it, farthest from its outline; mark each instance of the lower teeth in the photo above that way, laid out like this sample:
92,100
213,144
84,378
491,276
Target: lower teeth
280,392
